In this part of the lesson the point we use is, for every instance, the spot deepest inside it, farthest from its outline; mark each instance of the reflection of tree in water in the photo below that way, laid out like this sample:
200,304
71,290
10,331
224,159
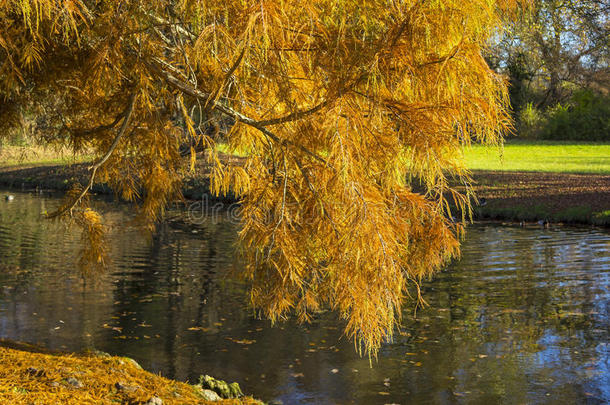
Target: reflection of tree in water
535,301
176,288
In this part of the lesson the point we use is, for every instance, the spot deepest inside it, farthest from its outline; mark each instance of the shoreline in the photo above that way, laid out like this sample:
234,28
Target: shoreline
503,196
543,197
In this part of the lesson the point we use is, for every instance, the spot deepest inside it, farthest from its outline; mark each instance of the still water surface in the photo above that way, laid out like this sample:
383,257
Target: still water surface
522,318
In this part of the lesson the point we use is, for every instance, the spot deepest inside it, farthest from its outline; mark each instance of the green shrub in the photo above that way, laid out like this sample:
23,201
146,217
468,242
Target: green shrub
585,118
530,121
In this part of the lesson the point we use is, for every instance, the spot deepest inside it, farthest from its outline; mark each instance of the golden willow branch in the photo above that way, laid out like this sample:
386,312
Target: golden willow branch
100,128
127,114
188,89
294,116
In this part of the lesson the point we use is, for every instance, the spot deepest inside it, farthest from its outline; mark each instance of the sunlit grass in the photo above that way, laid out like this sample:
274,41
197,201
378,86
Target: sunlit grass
537,156
17,156
532,156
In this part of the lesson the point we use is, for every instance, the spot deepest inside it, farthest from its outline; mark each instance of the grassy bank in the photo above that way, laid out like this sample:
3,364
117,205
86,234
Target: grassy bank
552,197
550,181
29,376
19,156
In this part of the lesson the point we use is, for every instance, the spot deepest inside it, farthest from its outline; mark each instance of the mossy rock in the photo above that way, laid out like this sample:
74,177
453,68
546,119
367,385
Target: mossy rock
223,389
131,361
206,394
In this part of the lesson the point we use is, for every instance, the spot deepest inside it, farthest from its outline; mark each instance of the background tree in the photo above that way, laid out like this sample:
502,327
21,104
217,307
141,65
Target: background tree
556,49
344,108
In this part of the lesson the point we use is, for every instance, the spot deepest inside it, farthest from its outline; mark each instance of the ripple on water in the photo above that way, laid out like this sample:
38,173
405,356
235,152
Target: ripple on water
523,317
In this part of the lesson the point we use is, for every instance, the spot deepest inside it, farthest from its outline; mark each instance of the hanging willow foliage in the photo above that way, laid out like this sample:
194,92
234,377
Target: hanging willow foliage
353,115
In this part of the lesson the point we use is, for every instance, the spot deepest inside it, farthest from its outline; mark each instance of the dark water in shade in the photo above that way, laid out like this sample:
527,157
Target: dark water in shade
523,318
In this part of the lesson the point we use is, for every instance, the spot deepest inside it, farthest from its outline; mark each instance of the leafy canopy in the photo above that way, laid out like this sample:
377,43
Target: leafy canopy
353,114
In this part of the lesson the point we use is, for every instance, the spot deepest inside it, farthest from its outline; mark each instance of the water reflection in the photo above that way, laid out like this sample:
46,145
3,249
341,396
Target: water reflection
522,318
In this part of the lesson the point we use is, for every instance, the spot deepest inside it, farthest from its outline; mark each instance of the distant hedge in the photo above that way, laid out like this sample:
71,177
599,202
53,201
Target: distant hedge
586,117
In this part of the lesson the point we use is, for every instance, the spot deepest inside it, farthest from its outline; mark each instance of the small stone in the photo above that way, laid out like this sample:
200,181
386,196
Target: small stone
209,395
131,361
154,401
35,372
122,387
100,353
74,382
223,389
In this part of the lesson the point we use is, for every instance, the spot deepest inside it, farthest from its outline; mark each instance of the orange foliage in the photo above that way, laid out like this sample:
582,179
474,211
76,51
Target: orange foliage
353,114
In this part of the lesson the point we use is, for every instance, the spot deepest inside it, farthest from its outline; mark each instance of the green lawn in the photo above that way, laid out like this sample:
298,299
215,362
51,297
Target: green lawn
528,156
11,155
538,156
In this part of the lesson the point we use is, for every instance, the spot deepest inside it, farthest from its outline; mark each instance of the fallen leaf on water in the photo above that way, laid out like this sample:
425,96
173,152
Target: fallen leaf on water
512,311
242,341
198,328
334,370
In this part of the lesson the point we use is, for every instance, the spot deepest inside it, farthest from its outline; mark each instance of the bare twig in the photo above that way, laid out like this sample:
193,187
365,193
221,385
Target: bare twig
294,116
127,114
100,128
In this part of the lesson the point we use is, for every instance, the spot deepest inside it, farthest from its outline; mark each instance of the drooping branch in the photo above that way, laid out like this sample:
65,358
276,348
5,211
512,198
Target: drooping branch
232,69
294,116
127,114
100,128
187,88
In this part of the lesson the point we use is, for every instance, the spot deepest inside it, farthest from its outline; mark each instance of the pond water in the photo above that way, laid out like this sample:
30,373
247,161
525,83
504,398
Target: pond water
523,317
